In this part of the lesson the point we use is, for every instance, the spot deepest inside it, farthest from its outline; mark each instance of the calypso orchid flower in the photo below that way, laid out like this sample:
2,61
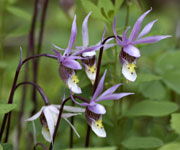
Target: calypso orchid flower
90,62
129,53
90,57
94,111
49,115
68,61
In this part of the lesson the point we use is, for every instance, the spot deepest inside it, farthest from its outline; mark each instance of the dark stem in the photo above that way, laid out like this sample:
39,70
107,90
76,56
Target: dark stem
31,33
58,121
81,98
7,128
71,130
36,62
40,144
43,17
127,13
96,83
99,63
26,72
37,87
60,114
10,100
88,136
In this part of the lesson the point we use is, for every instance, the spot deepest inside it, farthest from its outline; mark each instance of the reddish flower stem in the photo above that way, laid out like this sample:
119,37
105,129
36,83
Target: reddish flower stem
36,62
59,117
96,83
58,121
10,100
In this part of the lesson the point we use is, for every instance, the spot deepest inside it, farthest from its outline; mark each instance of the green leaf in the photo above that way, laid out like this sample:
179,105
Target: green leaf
175,122
170,146
89,6
103,13
117,5
3,64
136,142
19,12
145,77
1,148
169,68
153,90
106,4
106,103
23,30
5,108
7,146
172,79
152,108
96,148
12,1
138,4
168,62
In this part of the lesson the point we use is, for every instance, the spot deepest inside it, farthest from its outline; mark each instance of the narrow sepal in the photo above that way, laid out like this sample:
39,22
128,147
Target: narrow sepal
81,104
115,96
137,26
146,29
151,39
85,36
114,31
72,37
100,87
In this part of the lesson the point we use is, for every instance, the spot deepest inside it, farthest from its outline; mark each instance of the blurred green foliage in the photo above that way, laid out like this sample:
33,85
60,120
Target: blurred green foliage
145,120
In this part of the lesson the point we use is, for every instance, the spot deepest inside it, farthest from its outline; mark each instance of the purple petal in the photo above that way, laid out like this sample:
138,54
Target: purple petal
110,90
132,51
57,47
21,59
73,64
97,109
102,38
151,39
115,96
78,48
100,87
125,39
107,46
59,56
85,36
72,38
146,29
81,104
92,48
114,31
137,26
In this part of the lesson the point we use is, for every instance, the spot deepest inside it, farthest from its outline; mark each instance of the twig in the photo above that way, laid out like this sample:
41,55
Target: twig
71,130
96,83
40,144
26,73
10,100
37,87
36,62
58,121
